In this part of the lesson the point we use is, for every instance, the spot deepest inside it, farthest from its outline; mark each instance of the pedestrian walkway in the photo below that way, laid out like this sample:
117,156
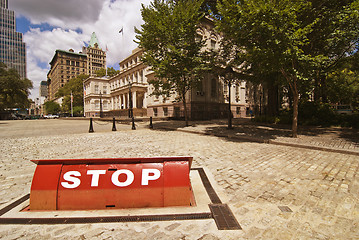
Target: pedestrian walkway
274,191
331,139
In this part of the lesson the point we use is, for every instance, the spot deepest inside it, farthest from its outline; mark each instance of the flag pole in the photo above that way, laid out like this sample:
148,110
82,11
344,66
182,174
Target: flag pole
106,61
84,91
72,110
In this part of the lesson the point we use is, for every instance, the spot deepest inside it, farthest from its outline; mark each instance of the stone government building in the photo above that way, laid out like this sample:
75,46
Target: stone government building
111,96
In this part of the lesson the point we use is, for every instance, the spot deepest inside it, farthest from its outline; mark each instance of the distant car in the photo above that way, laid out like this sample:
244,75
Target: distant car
50,116
21,116
14,117
344,109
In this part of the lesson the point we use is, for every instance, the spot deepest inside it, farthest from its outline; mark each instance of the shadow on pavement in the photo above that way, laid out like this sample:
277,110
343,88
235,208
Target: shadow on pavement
246,130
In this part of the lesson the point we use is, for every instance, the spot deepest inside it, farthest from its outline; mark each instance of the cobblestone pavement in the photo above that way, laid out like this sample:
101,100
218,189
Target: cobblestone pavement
321,188
343,140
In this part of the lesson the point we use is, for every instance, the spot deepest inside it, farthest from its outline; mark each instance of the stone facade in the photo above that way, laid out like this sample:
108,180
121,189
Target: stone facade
115,92
12,47
96,57
208,101
65,65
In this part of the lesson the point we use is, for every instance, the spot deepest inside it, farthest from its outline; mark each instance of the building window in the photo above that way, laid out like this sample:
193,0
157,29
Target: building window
155,112
213,44
225,90
97,105
238,110
141,76
96,89
237,90
104,89
165,111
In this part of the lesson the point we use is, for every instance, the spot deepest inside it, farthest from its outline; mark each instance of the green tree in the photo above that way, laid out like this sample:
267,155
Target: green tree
52,107
74,86
110,72
171,46
276,36
343,82
14,91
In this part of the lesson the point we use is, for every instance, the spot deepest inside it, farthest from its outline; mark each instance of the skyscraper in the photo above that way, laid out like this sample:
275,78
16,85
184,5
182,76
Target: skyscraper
96,57
66,65
12,48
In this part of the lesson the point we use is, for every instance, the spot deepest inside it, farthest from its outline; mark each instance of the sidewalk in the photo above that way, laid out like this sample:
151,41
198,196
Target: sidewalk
274,191
331,139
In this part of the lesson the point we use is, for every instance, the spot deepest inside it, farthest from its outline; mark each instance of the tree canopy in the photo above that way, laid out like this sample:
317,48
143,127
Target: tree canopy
300,39
74,86
52,107
14,91
343,82
171,46
110,72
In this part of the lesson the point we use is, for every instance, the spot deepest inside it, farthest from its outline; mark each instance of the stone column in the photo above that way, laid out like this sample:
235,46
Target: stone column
134,99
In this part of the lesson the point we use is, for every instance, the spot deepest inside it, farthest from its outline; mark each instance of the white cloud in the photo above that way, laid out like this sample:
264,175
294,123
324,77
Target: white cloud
73,22
64,13
42,45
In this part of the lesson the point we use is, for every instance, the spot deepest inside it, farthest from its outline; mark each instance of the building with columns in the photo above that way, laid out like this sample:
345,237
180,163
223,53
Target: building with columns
112,96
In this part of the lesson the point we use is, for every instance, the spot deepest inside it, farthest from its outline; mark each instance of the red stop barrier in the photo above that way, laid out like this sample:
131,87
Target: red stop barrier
80,184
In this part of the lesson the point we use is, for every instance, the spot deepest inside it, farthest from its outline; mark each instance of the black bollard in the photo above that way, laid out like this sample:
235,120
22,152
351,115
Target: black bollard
133,124
113,124
91,127
151,125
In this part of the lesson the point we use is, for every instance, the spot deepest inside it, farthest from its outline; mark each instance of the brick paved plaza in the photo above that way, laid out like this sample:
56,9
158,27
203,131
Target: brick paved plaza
256,180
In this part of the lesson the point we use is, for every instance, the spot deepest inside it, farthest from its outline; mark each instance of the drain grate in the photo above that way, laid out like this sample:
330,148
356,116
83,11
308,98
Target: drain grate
208,186
82,220
224,217
14,204
285,209
221,213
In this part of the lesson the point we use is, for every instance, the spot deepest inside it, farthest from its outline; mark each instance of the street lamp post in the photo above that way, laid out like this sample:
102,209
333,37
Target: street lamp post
260,102
130,106
229,74
229,107
130,109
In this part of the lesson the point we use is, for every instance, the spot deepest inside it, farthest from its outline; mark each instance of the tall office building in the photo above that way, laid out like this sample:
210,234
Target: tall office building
12,48
66,65
96,57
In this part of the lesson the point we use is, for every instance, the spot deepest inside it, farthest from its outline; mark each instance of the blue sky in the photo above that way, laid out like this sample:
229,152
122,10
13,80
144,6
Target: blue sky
50,25
24,25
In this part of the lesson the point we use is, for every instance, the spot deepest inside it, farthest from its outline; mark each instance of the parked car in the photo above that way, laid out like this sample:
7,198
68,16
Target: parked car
50,116
344,109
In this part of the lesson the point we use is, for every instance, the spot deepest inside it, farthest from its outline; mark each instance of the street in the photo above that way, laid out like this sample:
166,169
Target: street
275,192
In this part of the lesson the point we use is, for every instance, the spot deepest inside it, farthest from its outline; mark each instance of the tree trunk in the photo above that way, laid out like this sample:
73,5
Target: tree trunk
323,85
185,109
316,88
295,114
293,84
229,107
